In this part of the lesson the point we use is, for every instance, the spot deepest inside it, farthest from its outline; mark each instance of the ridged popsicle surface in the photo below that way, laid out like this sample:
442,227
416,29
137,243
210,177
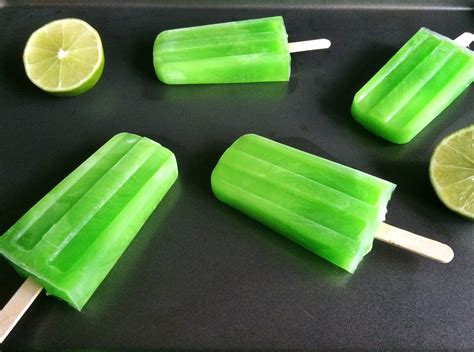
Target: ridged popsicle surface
328,208
233,52
73,236
414,87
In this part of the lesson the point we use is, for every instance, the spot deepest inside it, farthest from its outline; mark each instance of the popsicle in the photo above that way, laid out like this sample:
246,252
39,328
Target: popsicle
330,209
235,52
70,240
415,85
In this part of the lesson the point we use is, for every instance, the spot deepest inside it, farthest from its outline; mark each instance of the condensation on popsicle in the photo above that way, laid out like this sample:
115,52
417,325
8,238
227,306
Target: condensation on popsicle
328,208
70,240
234,52
414,87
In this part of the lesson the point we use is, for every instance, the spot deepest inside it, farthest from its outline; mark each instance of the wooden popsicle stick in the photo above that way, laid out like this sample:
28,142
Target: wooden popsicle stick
17,306
308,45
465,39
414,243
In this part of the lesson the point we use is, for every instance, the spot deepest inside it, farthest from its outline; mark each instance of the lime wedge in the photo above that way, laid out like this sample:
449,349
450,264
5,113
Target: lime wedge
64,57
452,171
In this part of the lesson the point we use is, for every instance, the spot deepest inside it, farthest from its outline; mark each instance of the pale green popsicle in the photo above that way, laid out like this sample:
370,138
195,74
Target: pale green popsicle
414,87
70,240
330,209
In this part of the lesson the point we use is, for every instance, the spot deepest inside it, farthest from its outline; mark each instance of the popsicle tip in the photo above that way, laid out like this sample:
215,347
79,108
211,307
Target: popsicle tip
448,255
326,42
308,45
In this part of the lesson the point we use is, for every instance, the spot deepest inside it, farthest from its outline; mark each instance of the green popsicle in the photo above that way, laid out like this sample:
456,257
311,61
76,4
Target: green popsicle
328,208
414,87
234,52
70,240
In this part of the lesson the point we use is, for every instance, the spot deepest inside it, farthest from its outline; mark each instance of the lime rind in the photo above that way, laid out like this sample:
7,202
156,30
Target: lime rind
72,38
452,171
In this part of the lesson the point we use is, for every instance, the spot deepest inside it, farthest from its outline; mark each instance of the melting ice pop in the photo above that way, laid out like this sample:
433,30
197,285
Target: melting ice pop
69,241
234,52
415,85
330,209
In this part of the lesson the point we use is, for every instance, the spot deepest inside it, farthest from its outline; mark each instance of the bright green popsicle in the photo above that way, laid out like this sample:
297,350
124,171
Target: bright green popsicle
70,240
414,87
330,209
233,52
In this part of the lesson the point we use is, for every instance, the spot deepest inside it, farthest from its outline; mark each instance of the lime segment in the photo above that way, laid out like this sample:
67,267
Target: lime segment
64,57
452,171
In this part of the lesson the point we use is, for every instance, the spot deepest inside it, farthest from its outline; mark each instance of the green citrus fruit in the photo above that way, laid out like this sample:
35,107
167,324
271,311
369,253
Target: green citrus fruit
452,171
64,57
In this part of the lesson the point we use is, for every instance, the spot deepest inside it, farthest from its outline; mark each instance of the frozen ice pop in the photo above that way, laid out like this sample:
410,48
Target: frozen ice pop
70,240
415,86
234,52
330,209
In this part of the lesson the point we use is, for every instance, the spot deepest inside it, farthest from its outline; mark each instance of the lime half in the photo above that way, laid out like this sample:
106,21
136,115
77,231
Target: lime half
64,57
452,171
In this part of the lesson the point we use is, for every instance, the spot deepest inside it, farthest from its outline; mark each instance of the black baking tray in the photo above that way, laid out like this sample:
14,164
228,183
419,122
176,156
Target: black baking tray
200,275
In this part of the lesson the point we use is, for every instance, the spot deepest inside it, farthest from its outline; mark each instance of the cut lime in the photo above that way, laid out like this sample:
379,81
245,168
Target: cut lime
64,57
452,171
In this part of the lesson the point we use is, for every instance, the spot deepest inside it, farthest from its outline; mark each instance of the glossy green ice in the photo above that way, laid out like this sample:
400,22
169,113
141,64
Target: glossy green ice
71,238
233,52
330,209
414,87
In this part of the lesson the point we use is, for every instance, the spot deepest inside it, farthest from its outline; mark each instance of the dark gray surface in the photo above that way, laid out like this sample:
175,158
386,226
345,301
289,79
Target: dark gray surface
200,274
